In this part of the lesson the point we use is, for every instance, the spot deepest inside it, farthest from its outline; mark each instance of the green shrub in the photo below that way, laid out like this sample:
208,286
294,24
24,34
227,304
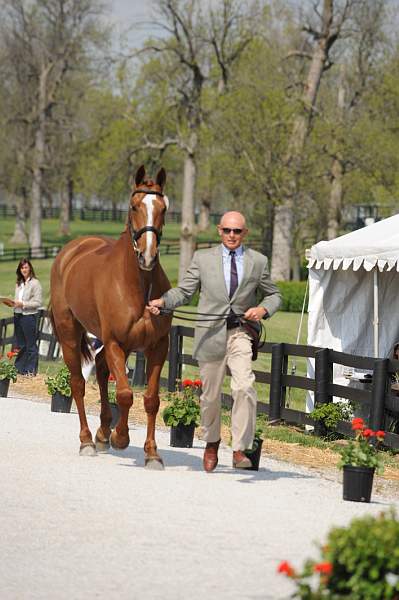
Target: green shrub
359,562
331,413
61,382
293,293
183,406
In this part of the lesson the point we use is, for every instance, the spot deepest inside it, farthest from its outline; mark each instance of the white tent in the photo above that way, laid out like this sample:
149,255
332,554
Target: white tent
354,291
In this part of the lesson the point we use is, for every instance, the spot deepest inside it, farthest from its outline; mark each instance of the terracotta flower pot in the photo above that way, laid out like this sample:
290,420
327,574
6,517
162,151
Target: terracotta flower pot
358,483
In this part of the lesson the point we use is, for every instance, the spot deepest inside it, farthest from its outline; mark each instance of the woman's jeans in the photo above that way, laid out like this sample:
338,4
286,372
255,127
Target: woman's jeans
25,331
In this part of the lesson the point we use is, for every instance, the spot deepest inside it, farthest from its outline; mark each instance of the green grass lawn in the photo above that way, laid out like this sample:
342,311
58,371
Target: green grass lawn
51,235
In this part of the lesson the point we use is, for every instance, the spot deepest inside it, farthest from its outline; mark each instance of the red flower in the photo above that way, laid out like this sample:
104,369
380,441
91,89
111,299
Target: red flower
380,434
111,377
358,420
187,382
285,567
197,382
357,426
368,433
324,567
10,354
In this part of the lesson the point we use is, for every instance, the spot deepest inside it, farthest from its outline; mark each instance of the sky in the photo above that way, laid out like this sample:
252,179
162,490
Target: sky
135,15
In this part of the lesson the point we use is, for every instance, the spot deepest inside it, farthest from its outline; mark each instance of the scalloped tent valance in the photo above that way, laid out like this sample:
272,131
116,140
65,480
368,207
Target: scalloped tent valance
376,245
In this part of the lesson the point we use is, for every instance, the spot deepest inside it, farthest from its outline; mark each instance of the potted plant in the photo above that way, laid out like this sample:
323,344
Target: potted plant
59,387
112,401
8,372
359,460
182,414
357,562
254,453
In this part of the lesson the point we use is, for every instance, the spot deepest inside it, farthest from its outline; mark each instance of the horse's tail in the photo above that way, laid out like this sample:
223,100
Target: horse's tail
85,347
51,317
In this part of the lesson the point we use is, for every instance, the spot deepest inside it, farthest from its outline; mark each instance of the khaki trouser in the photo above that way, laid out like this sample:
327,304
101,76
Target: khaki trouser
243,416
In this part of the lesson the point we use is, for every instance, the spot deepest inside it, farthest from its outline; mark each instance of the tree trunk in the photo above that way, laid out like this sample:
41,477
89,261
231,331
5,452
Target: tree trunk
203,221
19,235
35,236
187,232
337,172
70,186
284,214
64,228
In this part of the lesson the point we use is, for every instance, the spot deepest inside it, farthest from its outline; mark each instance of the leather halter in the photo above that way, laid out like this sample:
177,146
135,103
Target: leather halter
136,234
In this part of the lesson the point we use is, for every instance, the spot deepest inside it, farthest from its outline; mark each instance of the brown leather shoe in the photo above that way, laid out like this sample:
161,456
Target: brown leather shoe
240,461
210,459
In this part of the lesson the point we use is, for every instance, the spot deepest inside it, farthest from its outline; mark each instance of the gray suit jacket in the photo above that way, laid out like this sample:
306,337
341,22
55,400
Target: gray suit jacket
206,272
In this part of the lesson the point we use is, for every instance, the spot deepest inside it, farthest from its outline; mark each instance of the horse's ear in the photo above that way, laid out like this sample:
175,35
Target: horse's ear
161,177
140,174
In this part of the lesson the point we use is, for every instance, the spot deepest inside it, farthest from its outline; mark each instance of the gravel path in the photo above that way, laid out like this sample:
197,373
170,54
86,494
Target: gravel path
85,528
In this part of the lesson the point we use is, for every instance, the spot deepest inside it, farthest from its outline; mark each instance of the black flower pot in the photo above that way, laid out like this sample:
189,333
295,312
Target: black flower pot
115,414
254,454
4,385
358,483
61,403
182,436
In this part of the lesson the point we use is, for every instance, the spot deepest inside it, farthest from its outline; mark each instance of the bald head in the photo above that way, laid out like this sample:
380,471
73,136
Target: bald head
232,229
232,218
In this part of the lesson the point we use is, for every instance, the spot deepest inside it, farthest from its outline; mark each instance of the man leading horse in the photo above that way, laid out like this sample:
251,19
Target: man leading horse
229,277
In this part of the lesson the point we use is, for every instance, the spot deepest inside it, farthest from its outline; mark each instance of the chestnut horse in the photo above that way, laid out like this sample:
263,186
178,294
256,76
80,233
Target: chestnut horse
101,285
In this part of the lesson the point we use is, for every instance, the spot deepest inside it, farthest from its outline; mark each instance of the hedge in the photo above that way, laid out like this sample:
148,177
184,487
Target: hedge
293,293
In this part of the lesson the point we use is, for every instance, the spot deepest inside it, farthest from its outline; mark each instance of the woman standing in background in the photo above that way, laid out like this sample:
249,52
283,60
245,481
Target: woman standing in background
26,305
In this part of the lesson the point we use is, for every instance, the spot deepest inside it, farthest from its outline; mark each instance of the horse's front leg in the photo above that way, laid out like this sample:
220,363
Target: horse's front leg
104,431
116,361
155,360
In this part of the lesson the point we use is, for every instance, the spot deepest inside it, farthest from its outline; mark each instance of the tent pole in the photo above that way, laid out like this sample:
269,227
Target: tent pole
375,289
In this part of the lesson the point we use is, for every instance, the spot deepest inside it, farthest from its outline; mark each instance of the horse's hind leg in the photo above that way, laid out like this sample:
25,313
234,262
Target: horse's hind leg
155,360
71,349
116,361
104,431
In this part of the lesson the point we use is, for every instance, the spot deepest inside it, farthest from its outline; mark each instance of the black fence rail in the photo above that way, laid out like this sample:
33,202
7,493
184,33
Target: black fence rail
168,247
98,214
378,402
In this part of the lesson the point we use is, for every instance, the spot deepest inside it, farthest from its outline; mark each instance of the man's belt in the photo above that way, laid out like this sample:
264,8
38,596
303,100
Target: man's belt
232,321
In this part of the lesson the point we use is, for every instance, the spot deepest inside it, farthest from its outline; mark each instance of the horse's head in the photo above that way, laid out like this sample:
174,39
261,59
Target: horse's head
148,206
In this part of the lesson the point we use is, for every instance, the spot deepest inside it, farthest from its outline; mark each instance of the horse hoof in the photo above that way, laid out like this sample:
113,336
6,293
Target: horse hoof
102,446
154,463
119,442
87,449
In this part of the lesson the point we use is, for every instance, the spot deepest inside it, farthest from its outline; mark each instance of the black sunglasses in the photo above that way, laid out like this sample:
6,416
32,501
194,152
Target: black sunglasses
227,230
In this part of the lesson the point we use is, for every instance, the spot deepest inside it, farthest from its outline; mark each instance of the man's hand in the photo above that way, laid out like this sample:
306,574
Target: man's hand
155,305
255,314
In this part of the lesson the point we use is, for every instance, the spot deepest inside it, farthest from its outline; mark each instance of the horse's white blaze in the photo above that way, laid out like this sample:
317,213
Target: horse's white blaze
149,202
